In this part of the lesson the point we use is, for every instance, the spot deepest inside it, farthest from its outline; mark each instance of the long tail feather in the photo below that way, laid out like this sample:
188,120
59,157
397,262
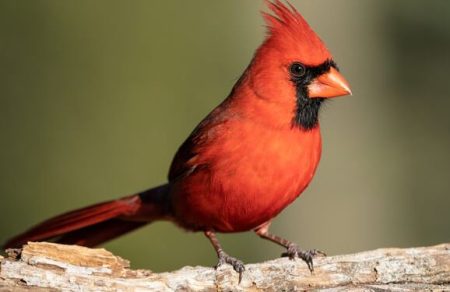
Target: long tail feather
98,223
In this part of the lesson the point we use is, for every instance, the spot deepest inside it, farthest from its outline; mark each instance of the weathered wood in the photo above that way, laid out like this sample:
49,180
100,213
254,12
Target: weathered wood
62,267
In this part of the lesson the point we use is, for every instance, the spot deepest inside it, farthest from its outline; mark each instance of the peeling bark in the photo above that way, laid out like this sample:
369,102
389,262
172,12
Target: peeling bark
48,266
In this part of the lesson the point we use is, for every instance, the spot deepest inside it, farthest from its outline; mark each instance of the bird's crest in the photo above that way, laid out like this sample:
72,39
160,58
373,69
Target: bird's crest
287,27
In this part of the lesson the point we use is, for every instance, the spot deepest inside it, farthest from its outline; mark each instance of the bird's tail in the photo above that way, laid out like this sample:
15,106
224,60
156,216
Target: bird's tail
99,223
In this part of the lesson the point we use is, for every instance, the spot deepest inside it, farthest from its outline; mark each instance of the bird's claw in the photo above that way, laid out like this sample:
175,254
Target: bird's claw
293,251
237,265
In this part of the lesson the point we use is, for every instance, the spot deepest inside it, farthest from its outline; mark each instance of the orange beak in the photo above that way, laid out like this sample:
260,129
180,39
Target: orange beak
331,84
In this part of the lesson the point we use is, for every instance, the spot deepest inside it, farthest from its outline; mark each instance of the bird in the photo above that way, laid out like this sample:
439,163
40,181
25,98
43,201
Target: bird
246,161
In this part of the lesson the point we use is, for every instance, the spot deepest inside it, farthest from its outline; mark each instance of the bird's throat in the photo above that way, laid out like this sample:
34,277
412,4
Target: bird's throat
307,110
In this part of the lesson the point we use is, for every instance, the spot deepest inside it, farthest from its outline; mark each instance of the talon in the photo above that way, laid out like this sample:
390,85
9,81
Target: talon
308,256
293,251
239,269
237,265
316,252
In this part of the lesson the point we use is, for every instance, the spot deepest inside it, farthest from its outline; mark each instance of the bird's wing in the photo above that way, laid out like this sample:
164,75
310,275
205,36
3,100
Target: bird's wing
206,133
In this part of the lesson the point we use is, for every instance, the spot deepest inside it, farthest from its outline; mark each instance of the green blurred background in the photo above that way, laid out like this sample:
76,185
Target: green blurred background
96,96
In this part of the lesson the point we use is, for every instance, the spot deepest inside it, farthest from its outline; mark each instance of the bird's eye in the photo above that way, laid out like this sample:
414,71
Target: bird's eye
297,69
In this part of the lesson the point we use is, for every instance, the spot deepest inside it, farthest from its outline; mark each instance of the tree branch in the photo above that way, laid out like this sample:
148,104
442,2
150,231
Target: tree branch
75,268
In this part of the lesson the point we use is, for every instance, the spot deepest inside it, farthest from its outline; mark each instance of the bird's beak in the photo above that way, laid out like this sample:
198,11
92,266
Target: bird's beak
330,84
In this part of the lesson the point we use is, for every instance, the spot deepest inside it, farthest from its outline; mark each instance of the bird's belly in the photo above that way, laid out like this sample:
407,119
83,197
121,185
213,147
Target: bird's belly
241,193
248,203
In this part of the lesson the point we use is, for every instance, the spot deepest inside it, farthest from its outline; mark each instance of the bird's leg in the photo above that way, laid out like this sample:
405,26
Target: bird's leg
293,251
224,258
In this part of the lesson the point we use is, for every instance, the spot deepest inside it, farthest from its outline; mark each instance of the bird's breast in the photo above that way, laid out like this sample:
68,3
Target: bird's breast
246,176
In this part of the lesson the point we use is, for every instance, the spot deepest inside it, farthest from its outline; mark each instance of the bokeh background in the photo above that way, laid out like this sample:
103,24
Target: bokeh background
96,96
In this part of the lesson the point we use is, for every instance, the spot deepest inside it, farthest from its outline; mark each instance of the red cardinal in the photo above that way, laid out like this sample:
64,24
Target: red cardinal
244,163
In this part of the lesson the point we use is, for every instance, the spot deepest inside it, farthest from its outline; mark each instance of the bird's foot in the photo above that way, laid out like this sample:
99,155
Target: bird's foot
293,251
237,265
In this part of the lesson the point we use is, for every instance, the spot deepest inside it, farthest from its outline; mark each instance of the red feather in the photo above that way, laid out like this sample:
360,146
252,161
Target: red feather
81,226
245,162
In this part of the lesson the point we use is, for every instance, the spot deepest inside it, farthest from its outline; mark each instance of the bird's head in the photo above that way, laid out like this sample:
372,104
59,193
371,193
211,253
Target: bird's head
293,68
